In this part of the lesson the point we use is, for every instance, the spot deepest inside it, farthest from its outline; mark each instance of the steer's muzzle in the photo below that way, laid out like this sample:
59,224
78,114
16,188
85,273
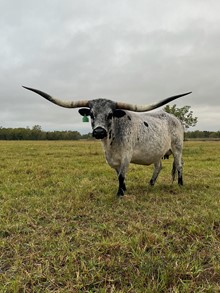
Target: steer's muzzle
99,133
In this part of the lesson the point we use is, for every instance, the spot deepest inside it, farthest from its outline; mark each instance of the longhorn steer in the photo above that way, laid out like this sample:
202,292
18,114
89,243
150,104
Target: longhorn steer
129,137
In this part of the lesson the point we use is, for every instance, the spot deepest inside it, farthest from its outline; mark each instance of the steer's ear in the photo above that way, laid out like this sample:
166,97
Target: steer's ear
118,113
84,111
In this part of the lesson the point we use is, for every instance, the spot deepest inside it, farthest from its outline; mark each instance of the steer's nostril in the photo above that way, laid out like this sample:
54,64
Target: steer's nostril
99,133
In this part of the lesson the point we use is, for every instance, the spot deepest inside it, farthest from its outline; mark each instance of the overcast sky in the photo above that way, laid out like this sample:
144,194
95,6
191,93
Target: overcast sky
136,51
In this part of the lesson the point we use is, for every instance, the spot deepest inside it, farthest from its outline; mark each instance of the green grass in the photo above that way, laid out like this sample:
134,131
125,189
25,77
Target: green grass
62,229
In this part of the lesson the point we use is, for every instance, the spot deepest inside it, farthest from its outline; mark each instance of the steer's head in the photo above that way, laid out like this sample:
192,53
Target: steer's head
103,111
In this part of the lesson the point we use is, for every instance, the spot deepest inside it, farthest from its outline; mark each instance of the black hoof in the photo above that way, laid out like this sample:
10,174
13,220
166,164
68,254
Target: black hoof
151,183
120,192
180,181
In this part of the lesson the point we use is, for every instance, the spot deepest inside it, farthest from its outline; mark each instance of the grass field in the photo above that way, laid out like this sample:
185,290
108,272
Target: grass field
63,229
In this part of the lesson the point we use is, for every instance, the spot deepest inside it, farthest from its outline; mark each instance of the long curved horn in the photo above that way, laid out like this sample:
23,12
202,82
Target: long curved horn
145,108
65,104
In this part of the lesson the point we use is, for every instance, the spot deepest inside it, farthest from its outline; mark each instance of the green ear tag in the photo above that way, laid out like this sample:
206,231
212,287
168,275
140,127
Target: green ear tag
85,118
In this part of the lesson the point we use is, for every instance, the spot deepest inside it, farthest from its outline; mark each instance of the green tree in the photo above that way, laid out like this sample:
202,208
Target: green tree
184,114
37,133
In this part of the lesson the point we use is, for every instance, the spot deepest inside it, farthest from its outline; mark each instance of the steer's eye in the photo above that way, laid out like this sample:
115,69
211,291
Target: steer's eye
91,115
110,115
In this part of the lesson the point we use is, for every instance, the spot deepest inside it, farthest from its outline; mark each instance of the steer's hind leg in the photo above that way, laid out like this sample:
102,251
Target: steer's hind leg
180,173
178,166
157,169
173,172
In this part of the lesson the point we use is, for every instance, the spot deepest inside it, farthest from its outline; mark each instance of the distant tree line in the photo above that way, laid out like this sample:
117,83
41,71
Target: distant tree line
202,134
36,133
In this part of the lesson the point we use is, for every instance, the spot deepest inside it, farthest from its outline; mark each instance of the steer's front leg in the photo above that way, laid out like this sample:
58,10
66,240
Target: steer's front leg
121,172
122,186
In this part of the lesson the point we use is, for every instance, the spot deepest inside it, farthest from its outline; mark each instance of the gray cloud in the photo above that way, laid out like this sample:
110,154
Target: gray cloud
137,52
